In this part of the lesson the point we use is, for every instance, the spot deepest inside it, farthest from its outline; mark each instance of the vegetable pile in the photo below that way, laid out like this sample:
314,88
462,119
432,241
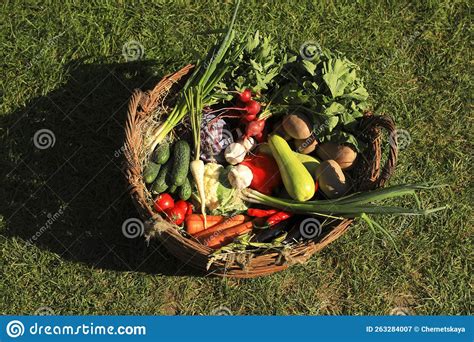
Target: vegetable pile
270,139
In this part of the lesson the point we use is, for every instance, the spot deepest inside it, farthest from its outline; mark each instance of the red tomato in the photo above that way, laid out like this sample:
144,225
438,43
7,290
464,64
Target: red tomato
190,209
178,212
163,202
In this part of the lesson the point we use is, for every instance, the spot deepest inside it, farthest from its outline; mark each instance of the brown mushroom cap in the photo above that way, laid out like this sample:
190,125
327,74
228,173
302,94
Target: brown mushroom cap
342,154
297,126
306,146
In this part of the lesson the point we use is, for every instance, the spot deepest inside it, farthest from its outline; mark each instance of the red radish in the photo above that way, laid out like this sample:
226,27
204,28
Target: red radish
245,96
163,202
255,128
252,107
249,117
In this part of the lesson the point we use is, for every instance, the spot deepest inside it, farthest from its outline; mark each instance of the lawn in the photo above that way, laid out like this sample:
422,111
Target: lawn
63,70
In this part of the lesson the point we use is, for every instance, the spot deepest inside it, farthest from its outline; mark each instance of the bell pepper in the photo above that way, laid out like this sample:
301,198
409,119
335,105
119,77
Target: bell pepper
266,175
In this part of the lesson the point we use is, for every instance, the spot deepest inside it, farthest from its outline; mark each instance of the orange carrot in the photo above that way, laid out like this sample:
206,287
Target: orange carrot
223,237
195,222
227,223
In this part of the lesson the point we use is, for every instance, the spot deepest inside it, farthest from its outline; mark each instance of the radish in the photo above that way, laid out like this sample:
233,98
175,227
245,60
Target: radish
245,96
255,128
252,107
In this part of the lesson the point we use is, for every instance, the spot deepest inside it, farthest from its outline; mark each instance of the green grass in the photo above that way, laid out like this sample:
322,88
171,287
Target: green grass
62,69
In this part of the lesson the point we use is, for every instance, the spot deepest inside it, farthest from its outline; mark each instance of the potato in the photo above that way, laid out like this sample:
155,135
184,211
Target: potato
297,126
342,154
331,179
306,146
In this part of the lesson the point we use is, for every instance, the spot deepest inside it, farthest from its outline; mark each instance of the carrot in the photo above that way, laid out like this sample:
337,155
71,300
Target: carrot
195,222
227,223
223,237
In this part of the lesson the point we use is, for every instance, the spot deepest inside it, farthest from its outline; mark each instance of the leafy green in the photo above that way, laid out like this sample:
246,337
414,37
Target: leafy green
329,89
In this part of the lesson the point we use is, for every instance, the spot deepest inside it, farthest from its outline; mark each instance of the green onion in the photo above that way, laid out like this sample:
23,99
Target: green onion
352,205
206,76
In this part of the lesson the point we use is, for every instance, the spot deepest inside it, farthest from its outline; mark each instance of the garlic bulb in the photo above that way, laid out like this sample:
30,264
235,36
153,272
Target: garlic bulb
235,153
240,177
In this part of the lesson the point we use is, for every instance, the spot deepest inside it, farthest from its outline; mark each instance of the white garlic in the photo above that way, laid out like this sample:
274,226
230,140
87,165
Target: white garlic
235,153
240,177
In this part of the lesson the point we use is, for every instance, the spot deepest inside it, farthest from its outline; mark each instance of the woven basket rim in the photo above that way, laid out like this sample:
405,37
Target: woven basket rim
143,104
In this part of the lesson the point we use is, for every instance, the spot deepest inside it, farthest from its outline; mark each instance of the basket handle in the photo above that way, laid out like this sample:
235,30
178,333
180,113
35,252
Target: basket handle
375,123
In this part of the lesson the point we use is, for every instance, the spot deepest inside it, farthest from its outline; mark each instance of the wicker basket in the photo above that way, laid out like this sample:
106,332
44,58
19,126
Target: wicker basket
142,107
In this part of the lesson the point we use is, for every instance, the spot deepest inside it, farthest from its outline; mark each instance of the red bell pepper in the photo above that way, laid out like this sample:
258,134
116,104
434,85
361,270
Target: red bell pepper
266,175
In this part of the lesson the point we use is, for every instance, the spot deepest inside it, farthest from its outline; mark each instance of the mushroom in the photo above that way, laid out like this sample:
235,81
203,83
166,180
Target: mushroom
306,146
342,154
297,126
331,179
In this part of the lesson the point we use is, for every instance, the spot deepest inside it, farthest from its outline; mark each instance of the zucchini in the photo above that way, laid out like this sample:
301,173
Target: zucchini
310,163
181,157
297,180
162,181
151,172
185,190
162,153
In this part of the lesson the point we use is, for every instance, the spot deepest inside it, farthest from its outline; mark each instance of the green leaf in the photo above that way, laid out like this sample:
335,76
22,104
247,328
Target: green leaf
309,67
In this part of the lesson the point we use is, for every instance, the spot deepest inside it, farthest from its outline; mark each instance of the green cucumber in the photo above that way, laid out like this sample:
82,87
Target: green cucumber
185,190
151,172
162,181
297,180
172,189
162,153
181,157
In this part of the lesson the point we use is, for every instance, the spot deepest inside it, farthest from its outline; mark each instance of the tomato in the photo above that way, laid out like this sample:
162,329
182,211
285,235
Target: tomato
178,212
163,202
190,209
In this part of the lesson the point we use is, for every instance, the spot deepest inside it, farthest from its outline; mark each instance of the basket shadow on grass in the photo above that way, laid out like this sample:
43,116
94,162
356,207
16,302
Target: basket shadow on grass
80,173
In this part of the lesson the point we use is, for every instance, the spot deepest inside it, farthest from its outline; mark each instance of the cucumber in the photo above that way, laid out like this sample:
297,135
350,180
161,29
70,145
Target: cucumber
185,190
162,153
172,189
151,172
181,157
162,181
